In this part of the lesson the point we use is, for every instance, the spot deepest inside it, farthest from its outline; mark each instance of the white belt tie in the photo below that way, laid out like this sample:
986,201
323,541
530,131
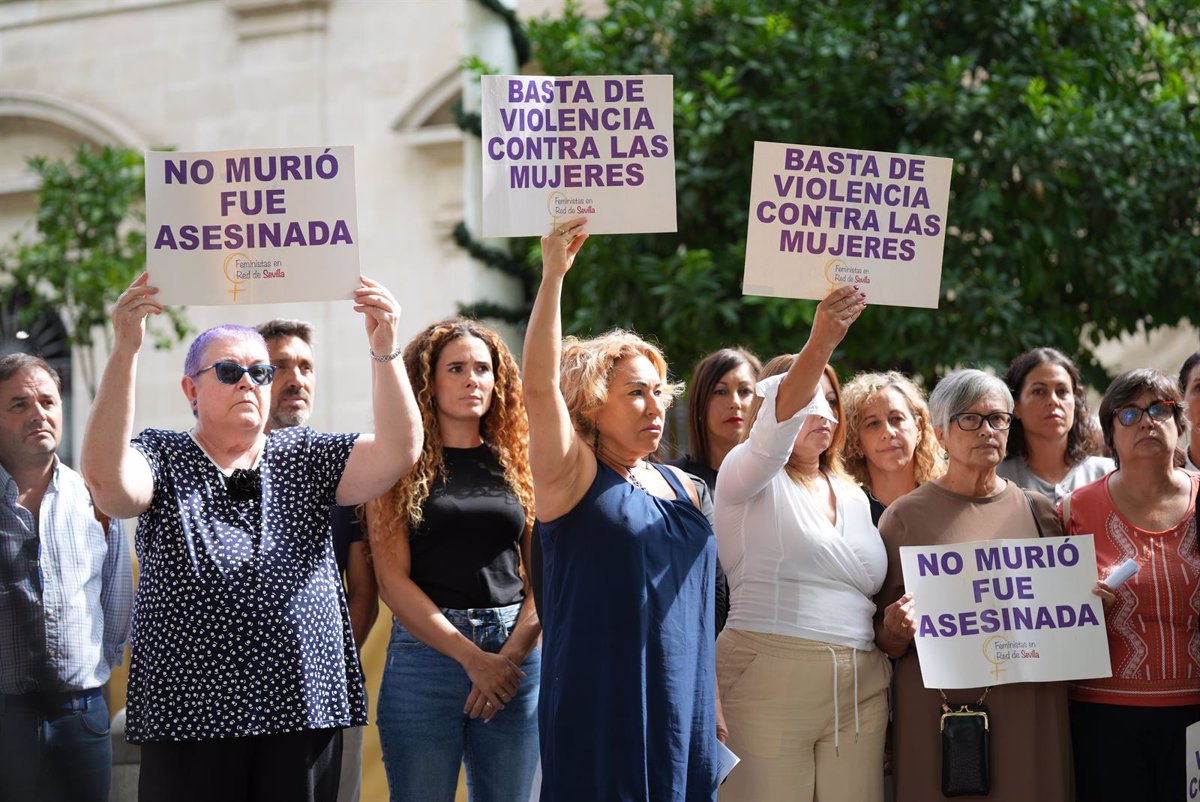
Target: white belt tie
837,722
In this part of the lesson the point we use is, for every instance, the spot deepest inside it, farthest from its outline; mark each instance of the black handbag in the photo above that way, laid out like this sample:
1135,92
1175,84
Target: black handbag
966,749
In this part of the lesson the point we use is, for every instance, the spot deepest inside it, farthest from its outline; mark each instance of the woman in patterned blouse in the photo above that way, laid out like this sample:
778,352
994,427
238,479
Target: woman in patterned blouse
243,663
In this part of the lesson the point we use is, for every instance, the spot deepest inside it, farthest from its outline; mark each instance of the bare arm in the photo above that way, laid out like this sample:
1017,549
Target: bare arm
834,316
377,461
562,468
494,674
118,476
362,593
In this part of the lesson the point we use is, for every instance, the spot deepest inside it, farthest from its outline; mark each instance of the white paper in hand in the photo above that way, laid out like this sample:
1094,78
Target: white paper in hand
726,760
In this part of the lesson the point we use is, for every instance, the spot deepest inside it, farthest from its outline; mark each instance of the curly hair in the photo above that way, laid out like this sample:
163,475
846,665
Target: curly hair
830,461
504,426
586,368
1082,440
859,392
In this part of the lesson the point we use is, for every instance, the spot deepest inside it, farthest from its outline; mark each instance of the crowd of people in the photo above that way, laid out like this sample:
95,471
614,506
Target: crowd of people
566,605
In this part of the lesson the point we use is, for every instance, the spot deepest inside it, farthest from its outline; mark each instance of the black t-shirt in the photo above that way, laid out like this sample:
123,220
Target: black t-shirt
346,530
465,552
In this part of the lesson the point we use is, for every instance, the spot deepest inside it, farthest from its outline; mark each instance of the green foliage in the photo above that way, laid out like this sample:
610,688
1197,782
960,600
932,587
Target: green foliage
88,245
1072,123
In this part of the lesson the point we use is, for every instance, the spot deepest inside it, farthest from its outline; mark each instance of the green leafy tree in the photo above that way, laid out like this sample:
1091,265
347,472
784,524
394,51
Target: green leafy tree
1072,123
87,246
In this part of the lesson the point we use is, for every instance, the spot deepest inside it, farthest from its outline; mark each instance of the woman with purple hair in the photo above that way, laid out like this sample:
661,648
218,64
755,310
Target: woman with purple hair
243,666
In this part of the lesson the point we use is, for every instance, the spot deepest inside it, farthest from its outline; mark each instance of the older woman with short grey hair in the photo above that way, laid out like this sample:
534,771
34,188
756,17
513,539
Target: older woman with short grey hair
1030,731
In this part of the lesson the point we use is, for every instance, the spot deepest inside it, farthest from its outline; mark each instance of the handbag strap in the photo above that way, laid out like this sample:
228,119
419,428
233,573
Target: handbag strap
1033,511
978,702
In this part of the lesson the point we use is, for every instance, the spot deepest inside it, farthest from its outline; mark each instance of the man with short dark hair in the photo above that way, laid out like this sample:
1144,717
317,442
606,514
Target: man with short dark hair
289,344
67,587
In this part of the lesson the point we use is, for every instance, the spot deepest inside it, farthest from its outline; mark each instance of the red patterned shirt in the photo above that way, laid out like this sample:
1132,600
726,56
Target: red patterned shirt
1153,639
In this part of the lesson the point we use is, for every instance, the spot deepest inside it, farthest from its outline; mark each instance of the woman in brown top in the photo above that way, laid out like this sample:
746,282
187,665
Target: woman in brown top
1030,733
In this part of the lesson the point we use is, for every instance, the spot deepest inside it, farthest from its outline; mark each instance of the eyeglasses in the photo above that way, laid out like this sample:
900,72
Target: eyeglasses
970,421
1160,411
232,372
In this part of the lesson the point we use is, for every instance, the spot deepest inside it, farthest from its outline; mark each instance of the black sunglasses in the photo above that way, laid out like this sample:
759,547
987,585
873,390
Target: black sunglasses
232,372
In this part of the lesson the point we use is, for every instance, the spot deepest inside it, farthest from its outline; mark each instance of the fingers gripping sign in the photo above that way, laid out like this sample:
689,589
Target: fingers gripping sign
381,315
560,246
129,313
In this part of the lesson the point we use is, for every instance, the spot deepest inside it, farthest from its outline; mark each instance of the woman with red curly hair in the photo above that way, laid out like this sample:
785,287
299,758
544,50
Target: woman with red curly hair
447,542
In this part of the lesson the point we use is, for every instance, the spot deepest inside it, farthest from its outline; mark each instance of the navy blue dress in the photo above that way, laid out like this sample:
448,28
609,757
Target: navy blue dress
627,709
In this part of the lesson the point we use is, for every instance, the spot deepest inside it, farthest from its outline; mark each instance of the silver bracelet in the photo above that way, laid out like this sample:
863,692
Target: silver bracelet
387,358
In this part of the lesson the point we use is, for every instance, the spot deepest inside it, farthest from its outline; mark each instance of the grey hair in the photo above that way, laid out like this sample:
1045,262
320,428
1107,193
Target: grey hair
962,388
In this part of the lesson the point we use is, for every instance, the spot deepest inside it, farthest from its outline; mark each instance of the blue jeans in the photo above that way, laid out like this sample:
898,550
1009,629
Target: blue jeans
426,736
49,752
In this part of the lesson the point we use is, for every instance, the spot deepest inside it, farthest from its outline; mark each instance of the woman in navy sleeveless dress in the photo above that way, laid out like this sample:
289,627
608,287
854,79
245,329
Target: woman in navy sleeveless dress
628,708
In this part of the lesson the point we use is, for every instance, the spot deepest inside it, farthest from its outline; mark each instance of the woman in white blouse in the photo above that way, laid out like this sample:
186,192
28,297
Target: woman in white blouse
803,687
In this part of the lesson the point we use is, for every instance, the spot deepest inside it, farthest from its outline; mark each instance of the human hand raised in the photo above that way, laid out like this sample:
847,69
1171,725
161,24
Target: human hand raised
129,313
560,246
381,315
836,313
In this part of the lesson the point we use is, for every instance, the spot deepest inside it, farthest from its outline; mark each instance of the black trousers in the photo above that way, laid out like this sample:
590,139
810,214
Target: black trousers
292,767
1125,753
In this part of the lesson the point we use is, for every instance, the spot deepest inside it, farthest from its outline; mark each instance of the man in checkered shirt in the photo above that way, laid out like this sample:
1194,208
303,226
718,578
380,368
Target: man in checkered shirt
66,586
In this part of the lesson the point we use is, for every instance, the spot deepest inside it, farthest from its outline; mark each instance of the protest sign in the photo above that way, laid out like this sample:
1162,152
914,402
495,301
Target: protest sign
600,147
1193,761
823,217
991,612
251,226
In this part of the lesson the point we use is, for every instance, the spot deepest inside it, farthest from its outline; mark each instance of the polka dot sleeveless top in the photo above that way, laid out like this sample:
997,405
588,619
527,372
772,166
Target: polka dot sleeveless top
240,623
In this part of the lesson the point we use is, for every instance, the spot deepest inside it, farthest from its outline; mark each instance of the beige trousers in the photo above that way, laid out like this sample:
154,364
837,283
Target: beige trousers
796,742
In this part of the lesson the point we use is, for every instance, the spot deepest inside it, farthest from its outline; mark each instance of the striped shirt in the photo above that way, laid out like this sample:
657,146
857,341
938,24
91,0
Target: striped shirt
66,587
1153,640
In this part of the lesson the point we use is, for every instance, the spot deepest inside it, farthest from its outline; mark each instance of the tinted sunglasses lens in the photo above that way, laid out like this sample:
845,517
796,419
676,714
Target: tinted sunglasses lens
228,372
1159,411
261,374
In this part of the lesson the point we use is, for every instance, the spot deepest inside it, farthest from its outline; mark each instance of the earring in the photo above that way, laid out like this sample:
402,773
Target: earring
596,439
945,456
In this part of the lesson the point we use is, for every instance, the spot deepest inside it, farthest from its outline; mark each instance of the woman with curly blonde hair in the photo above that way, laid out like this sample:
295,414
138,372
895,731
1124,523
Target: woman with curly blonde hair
447,541
628,706
890,445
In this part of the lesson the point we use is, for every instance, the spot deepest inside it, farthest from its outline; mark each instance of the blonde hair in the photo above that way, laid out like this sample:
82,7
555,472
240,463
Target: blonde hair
586,368
857,394
830,461
504,427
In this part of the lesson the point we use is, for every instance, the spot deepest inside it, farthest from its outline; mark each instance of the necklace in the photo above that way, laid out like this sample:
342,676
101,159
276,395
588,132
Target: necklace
628,469
633,480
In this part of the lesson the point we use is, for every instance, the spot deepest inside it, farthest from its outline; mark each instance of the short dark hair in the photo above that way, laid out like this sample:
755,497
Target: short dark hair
1081,439
1129,386
708,371
12,364
1185,372
281,327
